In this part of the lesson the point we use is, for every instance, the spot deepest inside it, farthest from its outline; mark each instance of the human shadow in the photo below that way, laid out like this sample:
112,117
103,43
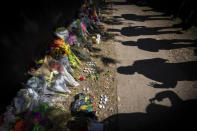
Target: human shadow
142,30
153,45
107,60
140,3
158,117
142,18
195,52
108,36
113,30
111,21
116,17
121,3
160,70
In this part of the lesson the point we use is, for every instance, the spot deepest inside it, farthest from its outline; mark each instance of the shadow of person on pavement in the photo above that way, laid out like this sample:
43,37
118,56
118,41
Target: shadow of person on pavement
142,30
142,18
159,70
107,60
111,21
195,52
153,45
158,117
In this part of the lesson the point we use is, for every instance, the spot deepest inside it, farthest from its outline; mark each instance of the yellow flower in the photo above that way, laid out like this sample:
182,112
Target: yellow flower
62,50
39,61
83,107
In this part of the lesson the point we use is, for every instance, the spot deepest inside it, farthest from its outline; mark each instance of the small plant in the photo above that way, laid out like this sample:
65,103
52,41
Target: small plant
97,75
108,73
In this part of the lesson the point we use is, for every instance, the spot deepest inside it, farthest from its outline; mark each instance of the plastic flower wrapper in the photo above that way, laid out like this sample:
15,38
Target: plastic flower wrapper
63,79
50,75
78,41
86,21
9,115
37,83
72,40
51,78
23,100
81,53
75,76
68,77
65,62
73,61
84,29
81,27
74,25
62,33
59,85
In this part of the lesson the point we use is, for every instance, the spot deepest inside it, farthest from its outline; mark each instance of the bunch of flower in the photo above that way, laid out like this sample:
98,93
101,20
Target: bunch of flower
59,48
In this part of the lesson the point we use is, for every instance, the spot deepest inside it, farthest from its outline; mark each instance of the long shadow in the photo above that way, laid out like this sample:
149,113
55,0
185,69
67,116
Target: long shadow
116,17
154,45
106,60
142,30
142,18
159,70
121,3
140,3
184,9
195,52
111,21
113,30
161,6
108,36
158,117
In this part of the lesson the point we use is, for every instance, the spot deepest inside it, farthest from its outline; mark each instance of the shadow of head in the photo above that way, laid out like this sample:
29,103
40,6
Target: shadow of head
142,30
139,65
195,52
143,18
154,45
106,61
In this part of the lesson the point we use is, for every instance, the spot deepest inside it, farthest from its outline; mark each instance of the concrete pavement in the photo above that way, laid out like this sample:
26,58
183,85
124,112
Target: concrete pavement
146,46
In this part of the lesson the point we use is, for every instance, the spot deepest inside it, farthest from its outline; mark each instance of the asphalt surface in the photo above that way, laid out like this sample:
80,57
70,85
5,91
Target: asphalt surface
156,72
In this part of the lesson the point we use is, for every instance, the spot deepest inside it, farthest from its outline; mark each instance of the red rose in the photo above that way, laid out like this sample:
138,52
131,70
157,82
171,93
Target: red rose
81,78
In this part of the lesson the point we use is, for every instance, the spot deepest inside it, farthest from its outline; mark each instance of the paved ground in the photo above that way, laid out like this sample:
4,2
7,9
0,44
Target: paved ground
154,58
